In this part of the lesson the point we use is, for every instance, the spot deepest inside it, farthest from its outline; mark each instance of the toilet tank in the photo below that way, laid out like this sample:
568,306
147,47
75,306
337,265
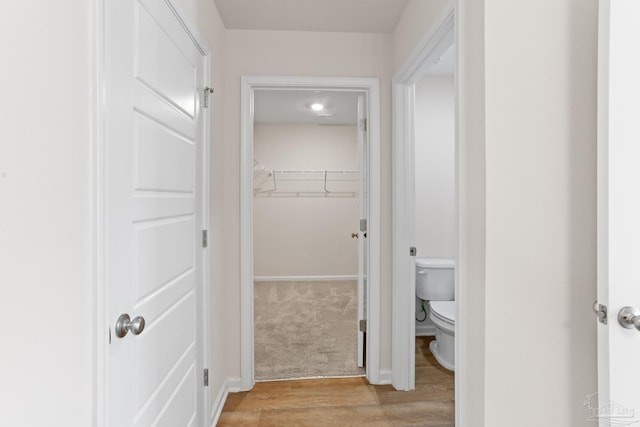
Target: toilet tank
435,279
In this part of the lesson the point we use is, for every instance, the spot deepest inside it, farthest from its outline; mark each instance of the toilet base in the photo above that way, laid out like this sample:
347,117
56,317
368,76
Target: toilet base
442,349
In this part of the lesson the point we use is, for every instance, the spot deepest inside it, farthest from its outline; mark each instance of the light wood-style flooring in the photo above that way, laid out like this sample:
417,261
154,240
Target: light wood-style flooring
348,401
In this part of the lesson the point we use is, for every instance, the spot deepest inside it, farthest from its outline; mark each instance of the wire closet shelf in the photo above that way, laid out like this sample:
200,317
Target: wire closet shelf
304,182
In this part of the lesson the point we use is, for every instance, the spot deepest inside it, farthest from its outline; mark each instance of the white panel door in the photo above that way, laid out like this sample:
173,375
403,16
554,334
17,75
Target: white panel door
618,398
363,160
153,143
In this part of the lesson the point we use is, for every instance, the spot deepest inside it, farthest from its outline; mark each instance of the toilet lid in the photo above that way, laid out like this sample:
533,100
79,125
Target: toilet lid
446,310
435,263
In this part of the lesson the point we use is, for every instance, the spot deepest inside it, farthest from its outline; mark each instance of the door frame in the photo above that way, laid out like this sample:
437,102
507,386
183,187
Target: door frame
404,288
249,84
101,322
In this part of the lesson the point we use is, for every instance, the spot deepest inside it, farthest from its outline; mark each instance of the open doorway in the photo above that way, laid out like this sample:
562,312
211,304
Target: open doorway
306,200
434,178
368,130
425,210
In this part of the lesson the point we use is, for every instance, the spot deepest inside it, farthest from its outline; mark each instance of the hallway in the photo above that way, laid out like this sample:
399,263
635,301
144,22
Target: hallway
348,401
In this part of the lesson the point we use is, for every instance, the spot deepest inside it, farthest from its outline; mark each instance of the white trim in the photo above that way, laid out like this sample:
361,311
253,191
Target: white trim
98,231
319,377
461,350
385,377
403,290
403,267
100,325
235,385
431,47
246,238
248,85
425,331
205,290
218,404
303,278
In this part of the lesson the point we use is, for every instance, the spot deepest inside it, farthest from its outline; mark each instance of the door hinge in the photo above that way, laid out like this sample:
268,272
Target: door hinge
413,251
205,238
206,378
363,125
363,225
601,312
207,90
363,325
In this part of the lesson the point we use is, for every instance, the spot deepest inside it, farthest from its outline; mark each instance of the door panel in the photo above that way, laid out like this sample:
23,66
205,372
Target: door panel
155,50
164,251
158,363
618,211
164,158
153,146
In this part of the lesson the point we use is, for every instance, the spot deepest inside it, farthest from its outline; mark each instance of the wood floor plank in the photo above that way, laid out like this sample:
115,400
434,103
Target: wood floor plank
348,401
239,418
306,394
371,415
420,414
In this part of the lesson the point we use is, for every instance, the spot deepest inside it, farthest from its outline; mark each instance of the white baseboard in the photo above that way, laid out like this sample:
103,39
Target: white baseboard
385,376
230,385
425,330
218,403
303,278
234,385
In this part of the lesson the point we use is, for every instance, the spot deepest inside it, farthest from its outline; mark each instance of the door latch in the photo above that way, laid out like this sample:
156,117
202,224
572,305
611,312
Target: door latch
601,311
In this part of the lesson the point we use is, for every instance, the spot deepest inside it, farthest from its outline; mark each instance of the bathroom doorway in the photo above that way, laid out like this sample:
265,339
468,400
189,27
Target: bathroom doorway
269,180
434,173
425,210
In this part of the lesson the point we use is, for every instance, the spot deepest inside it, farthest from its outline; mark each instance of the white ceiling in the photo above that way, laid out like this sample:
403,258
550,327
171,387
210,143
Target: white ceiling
294,106
357,16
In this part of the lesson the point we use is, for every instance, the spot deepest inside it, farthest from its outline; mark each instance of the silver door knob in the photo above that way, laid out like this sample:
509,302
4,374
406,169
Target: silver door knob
124,324
629,317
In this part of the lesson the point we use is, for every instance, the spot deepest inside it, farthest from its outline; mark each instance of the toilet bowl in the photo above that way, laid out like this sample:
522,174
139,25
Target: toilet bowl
443,316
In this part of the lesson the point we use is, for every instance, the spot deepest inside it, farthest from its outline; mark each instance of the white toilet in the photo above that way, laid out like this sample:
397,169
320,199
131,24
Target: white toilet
435,283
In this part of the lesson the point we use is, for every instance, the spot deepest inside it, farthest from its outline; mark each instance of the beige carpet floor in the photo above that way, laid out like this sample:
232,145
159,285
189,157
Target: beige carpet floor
305,329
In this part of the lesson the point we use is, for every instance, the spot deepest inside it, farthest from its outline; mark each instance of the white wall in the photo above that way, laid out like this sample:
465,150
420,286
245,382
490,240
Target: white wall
527,209
540,64
46,366
306,235
297,53
472,201
47,358
435,235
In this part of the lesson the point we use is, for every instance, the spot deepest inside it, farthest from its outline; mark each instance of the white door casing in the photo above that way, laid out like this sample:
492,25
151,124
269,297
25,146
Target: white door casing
371,87
403,203
363,208
153,212
618,211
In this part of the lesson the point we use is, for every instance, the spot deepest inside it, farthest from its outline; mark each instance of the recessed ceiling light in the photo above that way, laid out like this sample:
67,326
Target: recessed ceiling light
316,106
